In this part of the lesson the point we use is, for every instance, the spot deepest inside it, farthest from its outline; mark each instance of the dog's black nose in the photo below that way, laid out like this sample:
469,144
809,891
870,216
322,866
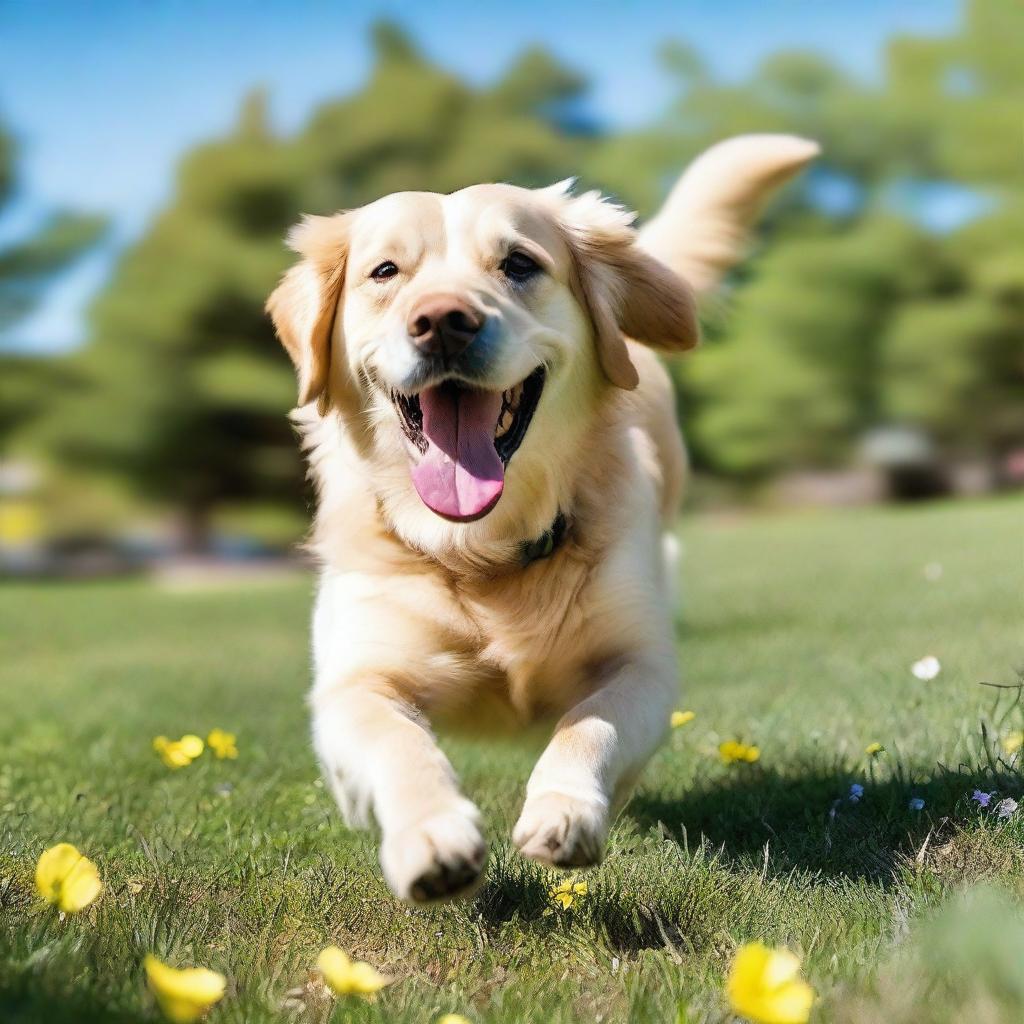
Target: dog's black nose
444,325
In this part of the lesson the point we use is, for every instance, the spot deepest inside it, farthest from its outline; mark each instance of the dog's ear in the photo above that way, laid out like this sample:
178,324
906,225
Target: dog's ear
303,306
625,290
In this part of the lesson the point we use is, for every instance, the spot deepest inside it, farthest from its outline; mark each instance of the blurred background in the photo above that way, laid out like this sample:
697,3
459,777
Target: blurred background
153,155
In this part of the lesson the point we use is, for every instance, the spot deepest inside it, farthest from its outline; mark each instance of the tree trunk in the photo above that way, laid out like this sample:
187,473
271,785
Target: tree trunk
194,534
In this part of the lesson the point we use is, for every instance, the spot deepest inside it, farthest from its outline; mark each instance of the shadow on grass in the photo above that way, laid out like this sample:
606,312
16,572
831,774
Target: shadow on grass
21,1000
514,889
815,821
755,824
624,919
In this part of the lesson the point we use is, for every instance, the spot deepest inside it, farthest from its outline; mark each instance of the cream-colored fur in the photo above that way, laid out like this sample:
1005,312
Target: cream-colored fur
419,619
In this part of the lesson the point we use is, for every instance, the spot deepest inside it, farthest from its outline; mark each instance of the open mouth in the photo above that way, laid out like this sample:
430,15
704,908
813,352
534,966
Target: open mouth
461,439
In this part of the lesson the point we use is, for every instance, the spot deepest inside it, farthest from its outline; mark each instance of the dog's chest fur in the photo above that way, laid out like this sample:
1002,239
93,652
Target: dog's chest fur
524,641
534,629
508,647
469,640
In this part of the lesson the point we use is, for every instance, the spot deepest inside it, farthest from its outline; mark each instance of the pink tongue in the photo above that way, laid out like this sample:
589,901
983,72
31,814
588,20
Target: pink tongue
461,475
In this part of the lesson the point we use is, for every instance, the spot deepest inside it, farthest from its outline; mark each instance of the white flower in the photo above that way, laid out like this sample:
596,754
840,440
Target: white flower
933,572
1006,807
927,668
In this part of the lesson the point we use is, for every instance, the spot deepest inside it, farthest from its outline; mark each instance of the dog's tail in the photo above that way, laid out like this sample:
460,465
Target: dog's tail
702,229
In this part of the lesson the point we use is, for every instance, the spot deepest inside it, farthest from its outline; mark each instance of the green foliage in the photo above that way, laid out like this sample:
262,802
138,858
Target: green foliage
860,321
940,357
797,375
844,320
26,268
25,264
29,384
6,164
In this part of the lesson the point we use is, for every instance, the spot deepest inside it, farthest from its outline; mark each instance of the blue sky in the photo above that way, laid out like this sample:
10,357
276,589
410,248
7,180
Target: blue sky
105,96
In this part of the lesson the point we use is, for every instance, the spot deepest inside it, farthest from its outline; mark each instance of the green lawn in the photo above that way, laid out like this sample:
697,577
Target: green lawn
797,633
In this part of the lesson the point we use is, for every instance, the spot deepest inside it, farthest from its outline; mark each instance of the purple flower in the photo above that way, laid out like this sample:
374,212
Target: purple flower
1006,807
856,792
982,799
916,804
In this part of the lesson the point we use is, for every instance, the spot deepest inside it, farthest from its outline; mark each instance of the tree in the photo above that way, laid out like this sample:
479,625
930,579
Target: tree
797,377
852,312
866,316
955,365
26,268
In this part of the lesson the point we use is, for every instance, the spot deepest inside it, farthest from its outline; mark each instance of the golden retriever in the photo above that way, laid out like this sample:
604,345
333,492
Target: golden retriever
498,465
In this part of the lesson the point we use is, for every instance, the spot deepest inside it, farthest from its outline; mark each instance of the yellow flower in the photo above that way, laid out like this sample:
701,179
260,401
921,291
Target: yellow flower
566,893
874,748
349,977
1012,742
66,878
178,753
191,744
170,752
765,986
222,743
731,751
184,995
453,1018
681,718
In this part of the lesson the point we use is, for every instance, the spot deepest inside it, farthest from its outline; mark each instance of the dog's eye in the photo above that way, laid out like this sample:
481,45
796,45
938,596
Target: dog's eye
517,266
384,271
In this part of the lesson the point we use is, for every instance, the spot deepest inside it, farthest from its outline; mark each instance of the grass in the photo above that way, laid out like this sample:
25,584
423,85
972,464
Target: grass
796,633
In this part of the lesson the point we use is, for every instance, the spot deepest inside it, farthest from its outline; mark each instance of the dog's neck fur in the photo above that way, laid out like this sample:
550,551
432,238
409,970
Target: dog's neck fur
572,482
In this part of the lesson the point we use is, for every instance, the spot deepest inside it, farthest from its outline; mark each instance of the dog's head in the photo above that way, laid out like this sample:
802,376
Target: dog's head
472,329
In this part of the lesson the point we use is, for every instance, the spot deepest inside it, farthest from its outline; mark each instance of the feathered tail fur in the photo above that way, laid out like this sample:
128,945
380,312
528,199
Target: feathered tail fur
703,227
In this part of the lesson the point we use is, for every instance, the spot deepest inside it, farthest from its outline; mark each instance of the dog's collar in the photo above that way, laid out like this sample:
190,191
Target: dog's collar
546,544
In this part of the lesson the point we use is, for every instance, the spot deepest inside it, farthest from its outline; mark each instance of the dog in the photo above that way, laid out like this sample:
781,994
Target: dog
497,462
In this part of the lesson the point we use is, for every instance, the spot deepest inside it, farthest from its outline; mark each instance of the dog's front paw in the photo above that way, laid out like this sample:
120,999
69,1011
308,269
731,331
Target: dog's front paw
562,830
436,858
